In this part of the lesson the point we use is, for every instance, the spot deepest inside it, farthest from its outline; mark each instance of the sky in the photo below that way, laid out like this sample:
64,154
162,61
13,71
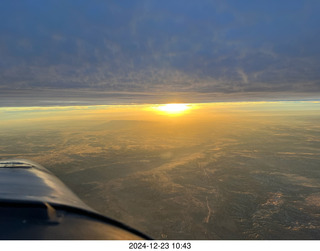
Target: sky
236,48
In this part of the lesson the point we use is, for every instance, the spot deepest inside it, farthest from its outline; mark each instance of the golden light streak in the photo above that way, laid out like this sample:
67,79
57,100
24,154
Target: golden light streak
172,109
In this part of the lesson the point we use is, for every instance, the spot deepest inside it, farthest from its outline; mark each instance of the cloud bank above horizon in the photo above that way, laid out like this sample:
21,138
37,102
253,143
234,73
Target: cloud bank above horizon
169,46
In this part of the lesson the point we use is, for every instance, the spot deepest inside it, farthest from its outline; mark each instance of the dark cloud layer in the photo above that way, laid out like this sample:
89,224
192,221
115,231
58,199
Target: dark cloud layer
172,46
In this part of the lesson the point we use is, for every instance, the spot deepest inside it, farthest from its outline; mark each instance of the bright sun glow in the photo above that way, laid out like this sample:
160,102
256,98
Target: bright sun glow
173,109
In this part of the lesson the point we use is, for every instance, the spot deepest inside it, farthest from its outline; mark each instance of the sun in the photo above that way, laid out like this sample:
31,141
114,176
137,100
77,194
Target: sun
173,109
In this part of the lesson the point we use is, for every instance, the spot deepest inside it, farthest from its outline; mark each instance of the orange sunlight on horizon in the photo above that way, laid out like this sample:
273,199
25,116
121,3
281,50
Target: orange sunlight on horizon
183,112
173,109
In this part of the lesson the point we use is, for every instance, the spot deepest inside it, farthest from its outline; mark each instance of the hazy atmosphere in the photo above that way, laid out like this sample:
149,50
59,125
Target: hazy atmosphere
213,171
184,119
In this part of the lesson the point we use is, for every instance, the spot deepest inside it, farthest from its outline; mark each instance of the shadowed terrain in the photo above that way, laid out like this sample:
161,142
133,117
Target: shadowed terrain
233,171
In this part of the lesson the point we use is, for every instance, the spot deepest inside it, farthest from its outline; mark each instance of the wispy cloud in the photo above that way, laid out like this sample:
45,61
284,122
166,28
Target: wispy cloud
218,47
